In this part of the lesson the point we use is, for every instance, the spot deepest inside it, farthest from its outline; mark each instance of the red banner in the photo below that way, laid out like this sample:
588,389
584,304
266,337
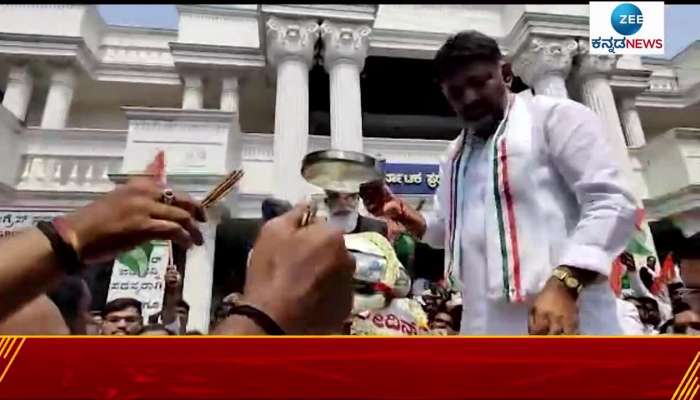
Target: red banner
349,368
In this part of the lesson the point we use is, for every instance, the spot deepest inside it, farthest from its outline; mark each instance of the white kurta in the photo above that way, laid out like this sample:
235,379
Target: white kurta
589,216
479,314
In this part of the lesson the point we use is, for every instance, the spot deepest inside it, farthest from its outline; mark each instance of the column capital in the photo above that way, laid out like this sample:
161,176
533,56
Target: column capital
230,83
192,81
345,42
543,56
626,103
63,75
229,94
19,73
291,39
630,61
589,65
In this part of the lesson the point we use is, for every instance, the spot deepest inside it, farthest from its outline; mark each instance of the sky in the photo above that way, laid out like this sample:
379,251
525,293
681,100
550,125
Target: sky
682,21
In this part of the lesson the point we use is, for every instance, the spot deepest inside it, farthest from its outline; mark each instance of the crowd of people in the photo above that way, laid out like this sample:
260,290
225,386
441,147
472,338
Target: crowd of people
531,213
654,300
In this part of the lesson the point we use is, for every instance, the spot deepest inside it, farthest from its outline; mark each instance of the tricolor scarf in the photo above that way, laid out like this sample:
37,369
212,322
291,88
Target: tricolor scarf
516,247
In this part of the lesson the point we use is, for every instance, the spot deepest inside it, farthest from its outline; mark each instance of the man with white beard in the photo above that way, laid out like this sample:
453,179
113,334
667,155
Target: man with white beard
343,213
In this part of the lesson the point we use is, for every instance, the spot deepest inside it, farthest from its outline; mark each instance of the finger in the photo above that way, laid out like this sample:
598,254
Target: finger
392,209
281,226
386,191
176,214
540,323
293,217
148,186
160,229
571,326
316,219
184,201
556,326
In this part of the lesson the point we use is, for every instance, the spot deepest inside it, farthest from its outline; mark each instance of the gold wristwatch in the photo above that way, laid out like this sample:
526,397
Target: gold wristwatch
567,278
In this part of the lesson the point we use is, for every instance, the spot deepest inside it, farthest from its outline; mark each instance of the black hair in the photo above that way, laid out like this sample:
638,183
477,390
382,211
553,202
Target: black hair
463,48
648,300
67,296
121,304
154,328
647,304
677,303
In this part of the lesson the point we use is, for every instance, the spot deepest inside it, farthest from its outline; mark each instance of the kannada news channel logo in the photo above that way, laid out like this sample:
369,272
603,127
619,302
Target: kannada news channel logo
627,28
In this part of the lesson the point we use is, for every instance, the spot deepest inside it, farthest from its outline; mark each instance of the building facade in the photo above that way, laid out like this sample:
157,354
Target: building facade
259,86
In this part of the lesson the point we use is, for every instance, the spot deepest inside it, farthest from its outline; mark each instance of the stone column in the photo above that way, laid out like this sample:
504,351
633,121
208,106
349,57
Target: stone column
18,92
592,74
345,50
230,102
59,99
631,124
199,279
290,48
193,93
229,95
544,63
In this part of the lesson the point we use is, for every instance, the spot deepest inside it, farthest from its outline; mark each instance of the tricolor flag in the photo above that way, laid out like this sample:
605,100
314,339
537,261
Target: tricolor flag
668,269
616,277
637,244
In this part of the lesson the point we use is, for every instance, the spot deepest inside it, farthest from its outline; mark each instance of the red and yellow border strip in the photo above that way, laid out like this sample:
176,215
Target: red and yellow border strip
9,348
352,367
689,386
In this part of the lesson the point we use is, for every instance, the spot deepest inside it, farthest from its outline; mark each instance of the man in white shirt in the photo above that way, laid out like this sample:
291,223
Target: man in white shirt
532,207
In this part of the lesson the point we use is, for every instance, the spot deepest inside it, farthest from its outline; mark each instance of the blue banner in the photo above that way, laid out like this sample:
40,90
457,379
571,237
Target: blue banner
411,178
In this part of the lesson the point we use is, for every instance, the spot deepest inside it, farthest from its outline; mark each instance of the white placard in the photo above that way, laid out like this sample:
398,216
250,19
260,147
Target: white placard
149,290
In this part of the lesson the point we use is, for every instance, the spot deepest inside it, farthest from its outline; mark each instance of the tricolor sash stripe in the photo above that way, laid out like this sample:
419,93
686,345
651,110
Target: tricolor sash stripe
504,210
499,214
513,236
454,178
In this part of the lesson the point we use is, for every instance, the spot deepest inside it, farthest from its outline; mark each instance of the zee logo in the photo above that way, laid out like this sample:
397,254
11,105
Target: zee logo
626,27
627,19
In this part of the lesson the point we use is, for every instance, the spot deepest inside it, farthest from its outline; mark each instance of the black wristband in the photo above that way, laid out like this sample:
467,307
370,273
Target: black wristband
260,318
66,255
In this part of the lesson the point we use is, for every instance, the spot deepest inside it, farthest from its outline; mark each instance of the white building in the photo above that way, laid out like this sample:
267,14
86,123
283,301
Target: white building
259,86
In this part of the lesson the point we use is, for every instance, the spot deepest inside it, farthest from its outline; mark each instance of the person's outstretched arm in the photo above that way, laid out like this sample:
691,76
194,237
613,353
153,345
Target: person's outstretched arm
118,221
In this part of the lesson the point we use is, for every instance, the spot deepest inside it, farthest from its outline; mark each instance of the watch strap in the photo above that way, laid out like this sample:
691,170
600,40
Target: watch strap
566,277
